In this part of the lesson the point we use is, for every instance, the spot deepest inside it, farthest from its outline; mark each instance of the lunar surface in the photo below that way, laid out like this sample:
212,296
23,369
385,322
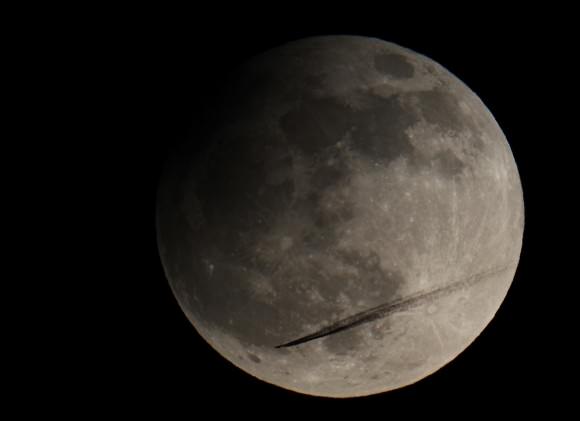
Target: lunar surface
347,221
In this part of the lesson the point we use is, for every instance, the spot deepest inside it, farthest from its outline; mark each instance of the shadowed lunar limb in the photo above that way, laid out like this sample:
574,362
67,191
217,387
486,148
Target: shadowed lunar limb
387,309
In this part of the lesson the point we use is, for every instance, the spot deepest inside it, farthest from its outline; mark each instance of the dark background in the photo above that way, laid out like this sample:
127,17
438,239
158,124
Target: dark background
150,78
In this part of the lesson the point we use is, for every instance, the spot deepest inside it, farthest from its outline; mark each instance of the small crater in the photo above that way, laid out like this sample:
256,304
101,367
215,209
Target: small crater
394,65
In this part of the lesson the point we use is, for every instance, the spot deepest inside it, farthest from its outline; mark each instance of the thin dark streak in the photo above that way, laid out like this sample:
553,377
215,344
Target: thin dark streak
401,304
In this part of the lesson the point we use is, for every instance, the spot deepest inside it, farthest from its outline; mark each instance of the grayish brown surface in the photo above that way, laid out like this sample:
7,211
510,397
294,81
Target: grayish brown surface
389,308
343,173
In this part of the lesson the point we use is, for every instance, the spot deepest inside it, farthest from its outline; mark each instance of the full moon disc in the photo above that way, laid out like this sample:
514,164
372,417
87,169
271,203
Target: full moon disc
347,221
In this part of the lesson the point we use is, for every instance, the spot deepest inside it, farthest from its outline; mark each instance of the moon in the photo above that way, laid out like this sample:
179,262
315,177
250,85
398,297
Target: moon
347,219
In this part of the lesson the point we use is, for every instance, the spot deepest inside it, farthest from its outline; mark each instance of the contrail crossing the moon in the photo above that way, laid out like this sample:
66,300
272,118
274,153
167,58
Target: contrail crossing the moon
386,309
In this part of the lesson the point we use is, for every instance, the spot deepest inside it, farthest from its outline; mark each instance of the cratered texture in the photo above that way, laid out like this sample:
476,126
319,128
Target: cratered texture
342,176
